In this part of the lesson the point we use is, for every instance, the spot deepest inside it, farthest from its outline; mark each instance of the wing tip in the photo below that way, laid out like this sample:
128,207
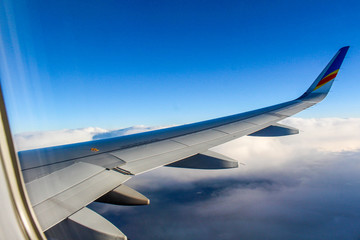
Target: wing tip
323,82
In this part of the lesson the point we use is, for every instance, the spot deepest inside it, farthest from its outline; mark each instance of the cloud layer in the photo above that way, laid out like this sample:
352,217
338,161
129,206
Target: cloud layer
297,187
31,140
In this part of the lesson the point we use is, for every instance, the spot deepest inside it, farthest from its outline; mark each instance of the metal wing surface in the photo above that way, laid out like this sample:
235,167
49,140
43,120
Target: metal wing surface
63,180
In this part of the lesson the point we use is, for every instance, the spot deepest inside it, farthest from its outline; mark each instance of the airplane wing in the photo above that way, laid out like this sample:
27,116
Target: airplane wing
61,181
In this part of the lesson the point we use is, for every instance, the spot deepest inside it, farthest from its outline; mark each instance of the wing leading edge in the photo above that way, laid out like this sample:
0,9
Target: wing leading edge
117,159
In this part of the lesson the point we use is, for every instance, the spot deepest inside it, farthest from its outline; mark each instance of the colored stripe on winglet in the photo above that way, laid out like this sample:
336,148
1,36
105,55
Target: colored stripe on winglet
327,79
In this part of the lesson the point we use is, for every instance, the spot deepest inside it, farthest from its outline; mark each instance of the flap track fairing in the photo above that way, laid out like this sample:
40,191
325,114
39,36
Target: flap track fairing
276,130
123,195
206,160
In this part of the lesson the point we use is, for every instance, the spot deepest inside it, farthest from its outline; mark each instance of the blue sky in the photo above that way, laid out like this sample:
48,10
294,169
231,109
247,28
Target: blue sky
114,64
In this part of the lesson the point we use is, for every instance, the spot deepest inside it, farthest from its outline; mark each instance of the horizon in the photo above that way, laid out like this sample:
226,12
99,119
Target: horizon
119,64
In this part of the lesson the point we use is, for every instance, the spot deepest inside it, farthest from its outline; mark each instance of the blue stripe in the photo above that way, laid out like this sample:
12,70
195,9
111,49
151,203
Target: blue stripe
338,61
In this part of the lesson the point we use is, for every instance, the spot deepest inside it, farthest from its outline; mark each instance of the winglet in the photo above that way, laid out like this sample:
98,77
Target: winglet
322,84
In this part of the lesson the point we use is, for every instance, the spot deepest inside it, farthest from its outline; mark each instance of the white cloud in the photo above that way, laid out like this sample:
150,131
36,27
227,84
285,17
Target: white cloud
327,134
296,187
319,140
31,140
289,185
317,135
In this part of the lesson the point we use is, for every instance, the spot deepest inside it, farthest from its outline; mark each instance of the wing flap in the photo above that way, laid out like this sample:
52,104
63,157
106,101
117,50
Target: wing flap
56,182
86,224
56,208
